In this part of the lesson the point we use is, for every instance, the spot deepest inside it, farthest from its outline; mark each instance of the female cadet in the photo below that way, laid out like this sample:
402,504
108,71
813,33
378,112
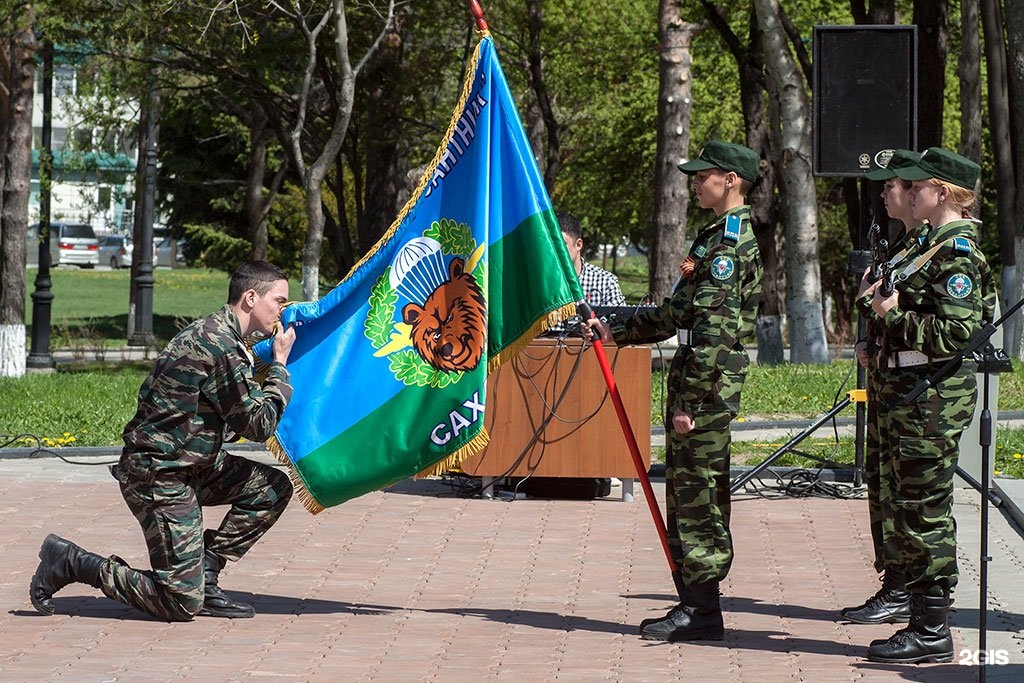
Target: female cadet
942,294
891,604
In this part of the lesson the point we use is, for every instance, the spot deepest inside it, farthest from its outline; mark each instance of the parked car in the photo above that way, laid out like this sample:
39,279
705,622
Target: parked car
71,244
169,253
116,250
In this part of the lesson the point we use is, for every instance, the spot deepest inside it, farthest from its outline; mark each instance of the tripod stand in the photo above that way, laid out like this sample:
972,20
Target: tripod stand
858,395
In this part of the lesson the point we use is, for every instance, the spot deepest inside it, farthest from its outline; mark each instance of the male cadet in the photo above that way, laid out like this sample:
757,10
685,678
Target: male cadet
200,390
712,310
600,287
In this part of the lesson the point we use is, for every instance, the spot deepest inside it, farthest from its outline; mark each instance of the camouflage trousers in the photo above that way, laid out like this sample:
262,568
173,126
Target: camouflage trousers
922,441
697,486
168,506
879,480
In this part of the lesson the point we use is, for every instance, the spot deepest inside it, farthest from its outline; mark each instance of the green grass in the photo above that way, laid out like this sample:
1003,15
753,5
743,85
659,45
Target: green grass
81,407
788,391
91,306
89,405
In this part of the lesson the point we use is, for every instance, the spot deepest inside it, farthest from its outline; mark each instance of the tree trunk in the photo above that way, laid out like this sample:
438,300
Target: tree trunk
383,178
17,170
670,187
255,213
1013,282
969,71
552,156
1006,195
343,95
803,296
762,198
933,47
878,12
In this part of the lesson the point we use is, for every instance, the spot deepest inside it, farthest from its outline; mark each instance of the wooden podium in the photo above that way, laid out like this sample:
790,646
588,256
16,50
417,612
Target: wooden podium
549,414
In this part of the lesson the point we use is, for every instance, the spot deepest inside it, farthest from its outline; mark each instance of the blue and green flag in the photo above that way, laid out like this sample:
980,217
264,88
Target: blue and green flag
389,369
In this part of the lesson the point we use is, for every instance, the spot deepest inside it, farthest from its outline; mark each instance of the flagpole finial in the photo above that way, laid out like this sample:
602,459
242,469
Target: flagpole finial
478,15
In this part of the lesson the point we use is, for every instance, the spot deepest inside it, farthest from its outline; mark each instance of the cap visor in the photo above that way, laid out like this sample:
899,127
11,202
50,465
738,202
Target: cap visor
694,165
880,174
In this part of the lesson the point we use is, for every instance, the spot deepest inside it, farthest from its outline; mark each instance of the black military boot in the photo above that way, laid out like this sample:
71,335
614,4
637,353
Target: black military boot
652,620
926,639
890,605
61,562
698,618
216,603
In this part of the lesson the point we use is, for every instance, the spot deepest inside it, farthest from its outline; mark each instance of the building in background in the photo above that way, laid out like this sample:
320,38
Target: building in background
93,164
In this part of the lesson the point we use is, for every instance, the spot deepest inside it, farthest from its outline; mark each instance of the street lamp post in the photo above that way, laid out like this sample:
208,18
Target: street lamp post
142,334
39,357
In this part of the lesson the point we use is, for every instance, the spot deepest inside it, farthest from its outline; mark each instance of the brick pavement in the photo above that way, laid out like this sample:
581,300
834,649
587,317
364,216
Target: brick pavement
416,584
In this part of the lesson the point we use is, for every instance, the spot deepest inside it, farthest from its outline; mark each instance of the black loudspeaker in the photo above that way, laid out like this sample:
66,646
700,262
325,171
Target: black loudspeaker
865,96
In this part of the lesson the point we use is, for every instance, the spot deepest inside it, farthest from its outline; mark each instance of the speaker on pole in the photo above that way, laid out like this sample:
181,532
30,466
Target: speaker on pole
865,96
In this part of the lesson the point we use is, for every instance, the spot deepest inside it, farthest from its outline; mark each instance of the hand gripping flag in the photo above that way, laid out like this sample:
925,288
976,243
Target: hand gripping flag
389,369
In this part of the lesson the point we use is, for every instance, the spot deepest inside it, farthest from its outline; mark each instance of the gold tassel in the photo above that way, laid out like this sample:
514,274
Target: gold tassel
303,494
454,460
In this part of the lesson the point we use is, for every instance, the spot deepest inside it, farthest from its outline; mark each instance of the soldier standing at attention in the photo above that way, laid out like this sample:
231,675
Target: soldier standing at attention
200,392
891,603
711,310
942,294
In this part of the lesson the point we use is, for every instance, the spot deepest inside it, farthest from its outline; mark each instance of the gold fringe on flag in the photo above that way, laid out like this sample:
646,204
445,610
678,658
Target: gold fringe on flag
301,492
513,348
453,460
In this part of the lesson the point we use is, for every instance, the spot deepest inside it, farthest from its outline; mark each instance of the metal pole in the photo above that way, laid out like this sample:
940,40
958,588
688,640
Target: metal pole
142,334
39,357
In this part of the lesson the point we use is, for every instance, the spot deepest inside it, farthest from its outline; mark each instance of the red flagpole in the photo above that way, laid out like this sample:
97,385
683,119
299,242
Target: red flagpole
634,450
478,15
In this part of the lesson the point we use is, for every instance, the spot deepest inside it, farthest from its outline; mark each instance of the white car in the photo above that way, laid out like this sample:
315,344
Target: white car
71,244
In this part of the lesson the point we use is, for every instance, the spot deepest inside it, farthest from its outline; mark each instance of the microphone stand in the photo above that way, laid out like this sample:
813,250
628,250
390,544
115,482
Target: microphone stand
989,361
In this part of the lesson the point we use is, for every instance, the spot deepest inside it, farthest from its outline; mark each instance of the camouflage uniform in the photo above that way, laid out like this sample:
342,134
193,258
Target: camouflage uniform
941,305
878,470
200,391
716,306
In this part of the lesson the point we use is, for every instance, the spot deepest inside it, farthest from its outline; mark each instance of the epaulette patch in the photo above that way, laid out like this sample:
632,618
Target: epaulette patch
962,245
700,251
733,223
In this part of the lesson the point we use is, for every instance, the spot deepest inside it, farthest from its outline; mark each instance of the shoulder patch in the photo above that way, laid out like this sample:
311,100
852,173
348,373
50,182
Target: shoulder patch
733,223
722,268
962,245
959,286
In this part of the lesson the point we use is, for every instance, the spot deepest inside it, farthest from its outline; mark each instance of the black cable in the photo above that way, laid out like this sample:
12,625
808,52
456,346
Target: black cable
40,451
804,482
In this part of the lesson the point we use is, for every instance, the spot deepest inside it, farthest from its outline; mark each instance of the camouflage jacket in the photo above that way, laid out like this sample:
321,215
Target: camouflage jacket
942,298
201,385
717,303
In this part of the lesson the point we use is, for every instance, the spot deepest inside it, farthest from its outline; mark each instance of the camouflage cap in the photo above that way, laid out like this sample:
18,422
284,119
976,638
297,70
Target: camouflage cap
901,158
725,156
944,165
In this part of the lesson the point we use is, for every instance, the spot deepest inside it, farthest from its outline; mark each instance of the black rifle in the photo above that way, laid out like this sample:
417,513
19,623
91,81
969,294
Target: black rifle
880,261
